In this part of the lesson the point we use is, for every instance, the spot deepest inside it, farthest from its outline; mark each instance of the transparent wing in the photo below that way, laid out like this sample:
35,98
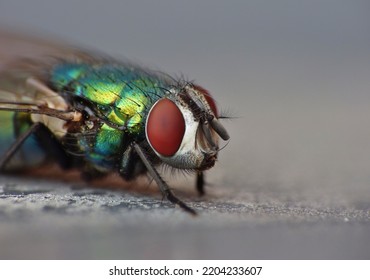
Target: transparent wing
25,64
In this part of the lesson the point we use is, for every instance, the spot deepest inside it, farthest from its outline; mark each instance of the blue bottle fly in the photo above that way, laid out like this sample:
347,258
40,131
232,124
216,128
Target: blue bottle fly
103,116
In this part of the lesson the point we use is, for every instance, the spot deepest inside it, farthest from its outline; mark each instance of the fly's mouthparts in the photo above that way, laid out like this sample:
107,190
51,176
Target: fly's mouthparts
209,160
207,134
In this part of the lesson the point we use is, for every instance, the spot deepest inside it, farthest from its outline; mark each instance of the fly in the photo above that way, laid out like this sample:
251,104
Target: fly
101,116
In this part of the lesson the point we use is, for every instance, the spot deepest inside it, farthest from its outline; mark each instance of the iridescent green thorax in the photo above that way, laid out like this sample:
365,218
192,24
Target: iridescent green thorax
120,95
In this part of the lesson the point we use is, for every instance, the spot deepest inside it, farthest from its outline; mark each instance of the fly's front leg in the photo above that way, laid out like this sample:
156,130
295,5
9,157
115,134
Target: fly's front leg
160,182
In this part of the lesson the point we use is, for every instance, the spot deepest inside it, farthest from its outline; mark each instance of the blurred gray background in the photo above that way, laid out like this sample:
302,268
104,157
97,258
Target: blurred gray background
293,181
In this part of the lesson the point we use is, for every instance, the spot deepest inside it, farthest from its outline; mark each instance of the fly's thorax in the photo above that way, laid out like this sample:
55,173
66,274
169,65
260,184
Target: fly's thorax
179,129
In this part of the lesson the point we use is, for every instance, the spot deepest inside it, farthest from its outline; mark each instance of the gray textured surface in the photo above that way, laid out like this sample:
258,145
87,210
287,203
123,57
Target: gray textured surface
47,219
293,181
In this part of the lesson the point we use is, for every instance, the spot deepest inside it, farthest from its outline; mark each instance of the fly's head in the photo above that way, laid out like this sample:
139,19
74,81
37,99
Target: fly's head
183,129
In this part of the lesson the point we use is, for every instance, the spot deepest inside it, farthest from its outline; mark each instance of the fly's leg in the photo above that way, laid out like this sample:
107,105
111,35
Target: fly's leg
200,183
131,165
160,182
52,147
17,144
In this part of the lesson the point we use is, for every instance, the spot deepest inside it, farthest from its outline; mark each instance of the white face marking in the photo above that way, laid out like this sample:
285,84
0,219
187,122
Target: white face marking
191,126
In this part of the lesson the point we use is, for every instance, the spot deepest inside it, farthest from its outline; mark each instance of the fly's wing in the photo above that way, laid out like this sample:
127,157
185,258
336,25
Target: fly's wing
25,66
25,98
23,58
13,45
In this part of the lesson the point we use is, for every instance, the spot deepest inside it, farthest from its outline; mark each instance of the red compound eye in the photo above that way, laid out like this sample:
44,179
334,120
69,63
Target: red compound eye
209,99
165,127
